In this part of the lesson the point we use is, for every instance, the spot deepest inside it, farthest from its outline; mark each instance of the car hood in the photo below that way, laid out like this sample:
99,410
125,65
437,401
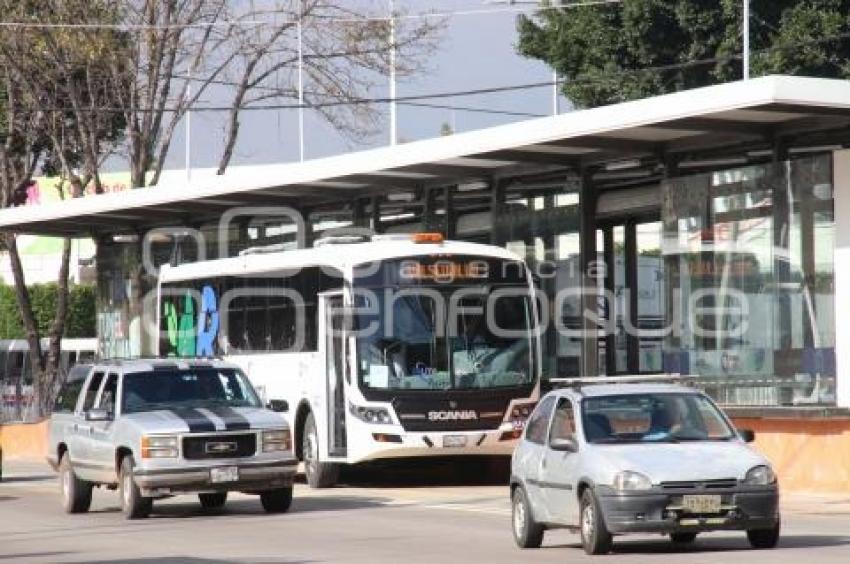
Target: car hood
674,462
204,420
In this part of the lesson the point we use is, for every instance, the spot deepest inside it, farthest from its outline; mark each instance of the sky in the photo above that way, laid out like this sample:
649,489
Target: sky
476,51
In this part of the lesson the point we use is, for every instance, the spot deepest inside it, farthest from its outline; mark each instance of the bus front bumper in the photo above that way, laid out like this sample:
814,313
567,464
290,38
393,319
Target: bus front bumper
395,443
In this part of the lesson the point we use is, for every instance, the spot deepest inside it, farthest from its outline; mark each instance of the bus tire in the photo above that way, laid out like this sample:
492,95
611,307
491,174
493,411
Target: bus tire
319,474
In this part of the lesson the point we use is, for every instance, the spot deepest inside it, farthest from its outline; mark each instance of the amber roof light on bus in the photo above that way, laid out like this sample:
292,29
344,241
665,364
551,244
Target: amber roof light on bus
427,238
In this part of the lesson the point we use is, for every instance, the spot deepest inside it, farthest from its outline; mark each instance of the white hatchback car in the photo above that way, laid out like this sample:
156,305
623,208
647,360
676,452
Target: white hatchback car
608,459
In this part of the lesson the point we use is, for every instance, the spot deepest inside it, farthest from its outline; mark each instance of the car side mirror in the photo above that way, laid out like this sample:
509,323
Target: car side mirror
563,445
98,415
278,405
747,435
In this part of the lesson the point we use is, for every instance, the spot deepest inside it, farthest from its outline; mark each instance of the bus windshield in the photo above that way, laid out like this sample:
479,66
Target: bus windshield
444,336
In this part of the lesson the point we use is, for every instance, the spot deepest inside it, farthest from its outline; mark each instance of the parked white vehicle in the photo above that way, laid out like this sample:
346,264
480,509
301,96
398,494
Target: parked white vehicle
608,459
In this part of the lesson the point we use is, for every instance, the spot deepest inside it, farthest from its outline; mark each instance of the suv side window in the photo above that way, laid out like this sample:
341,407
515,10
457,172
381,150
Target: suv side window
564,421
91,390
66,401
109,393
538,424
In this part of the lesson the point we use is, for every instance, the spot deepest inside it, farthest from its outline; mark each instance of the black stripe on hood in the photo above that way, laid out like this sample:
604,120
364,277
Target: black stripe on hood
233,420
195,420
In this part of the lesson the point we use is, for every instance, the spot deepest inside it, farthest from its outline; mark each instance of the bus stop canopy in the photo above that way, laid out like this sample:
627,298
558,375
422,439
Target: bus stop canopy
683,127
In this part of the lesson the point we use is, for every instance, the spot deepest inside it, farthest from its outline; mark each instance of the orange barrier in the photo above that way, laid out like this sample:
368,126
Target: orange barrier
24,441
809,455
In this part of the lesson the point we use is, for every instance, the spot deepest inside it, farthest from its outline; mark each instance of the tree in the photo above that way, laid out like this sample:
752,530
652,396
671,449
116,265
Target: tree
183,50
51,99
623,51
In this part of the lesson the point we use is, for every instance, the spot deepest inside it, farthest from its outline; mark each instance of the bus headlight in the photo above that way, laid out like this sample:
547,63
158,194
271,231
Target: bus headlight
377,415
275,440
520,414
163,446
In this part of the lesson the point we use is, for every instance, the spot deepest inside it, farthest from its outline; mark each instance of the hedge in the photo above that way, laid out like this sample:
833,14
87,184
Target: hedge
81,321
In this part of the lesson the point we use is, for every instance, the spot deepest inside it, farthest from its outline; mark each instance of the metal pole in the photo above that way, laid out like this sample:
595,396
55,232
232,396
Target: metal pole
746,39
393,107
188,149
556,94
300,83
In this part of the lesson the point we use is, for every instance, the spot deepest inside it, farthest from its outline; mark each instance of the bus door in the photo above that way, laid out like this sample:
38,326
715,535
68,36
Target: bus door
335,355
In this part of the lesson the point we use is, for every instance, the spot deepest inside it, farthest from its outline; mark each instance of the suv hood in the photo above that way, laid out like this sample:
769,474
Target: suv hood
673,462
205,419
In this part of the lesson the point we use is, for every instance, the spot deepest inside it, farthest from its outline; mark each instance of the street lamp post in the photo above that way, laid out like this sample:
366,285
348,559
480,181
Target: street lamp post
746,32
300,31
393,105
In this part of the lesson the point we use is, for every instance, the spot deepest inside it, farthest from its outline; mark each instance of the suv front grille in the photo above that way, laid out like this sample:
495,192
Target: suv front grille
219,446
723,484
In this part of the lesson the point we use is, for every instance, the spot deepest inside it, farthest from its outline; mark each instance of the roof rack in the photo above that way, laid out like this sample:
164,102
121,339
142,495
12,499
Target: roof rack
627,379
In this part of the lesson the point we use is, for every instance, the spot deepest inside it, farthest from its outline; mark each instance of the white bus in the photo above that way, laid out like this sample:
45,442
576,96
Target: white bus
382,347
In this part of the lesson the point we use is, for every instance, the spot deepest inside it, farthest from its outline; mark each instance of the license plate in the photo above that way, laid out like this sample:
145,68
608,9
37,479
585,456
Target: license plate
701,503
454,441
224,474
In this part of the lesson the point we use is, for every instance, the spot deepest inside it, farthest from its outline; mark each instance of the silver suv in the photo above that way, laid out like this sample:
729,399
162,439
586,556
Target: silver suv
638,458
156,428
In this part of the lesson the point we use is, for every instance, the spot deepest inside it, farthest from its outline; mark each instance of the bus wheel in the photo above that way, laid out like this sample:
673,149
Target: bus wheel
319,474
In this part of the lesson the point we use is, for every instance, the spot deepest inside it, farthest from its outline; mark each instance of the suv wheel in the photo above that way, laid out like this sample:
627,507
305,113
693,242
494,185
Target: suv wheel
319,474
76,493
276,501
527,532
764,538
212,500
133,504
595,537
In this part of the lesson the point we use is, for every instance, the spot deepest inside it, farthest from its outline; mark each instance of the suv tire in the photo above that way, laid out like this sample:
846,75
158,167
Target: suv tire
76,493
595,537
764,538
212,500
527,532
133,504
276,501
319,474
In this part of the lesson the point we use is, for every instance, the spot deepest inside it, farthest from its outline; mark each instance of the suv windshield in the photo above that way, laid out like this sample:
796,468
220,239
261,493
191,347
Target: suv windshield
199,387
648,418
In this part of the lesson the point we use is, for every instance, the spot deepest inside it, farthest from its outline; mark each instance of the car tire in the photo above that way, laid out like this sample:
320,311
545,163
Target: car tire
76,493
133,504
764,538
213,500
319,474
595,538
277,500
527,532
683,538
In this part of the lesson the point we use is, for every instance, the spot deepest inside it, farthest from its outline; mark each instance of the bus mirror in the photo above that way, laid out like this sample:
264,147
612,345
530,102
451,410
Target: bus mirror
278,405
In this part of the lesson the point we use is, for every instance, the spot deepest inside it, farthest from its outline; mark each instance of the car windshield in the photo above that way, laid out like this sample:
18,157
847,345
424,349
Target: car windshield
197,387
652,418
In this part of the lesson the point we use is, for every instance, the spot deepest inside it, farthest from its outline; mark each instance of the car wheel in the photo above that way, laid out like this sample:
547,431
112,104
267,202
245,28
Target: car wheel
527,532
595,537
319,474
212,500
683,538
764,538
76,493
276,501
133,503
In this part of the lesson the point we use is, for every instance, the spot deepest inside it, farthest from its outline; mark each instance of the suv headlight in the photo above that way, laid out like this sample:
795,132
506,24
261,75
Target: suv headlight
162,446
378,415
276,440
631,481
762,475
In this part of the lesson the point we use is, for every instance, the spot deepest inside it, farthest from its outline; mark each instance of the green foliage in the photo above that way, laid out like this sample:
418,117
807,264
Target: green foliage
81,311
603,51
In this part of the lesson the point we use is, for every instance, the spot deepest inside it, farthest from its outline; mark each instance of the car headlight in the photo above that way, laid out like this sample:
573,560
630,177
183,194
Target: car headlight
762,475
161,446
378,415
630,481
276,440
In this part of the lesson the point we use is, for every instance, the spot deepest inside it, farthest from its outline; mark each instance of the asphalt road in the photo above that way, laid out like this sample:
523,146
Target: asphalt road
392,516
